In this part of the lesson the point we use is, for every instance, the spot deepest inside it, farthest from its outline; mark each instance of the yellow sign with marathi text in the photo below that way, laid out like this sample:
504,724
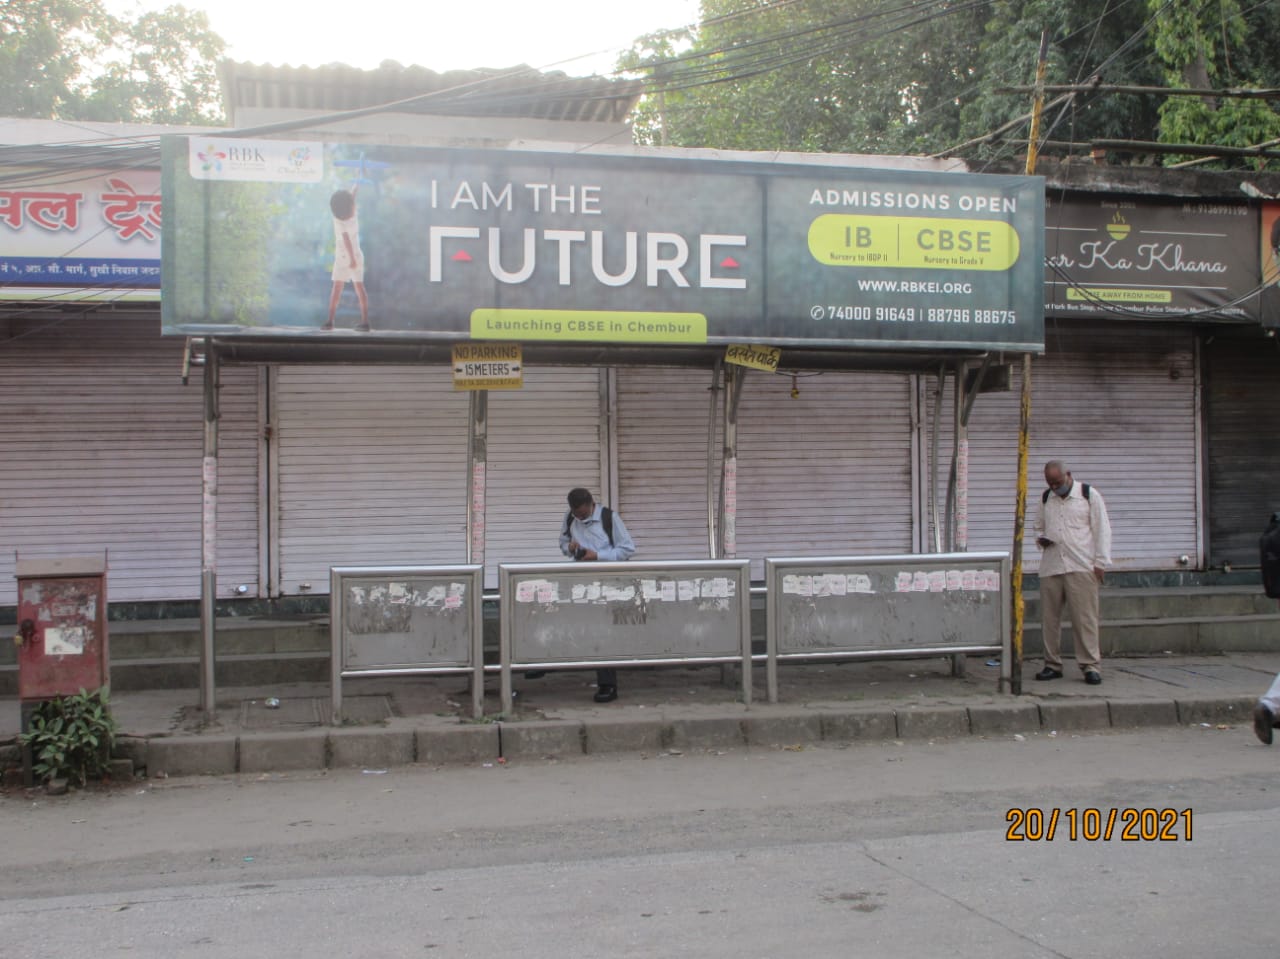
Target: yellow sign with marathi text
755,357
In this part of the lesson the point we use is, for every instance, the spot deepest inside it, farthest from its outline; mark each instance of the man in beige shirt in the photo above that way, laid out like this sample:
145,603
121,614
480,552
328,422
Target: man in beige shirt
1074,534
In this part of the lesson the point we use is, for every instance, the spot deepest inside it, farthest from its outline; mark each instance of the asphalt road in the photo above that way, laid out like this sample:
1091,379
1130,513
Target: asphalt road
884,849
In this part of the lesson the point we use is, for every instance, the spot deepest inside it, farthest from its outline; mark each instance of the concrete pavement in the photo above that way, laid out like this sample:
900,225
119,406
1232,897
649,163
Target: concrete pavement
392,722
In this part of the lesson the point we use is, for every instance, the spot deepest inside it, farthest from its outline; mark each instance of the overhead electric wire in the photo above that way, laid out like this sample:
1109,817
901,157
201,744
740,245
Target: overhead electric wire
1130,42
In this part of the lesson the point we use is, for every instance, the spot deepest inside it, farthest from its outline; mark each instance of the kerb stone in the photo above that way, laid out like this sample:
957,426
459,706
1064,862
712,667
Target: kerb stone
990,719
620,735
782,729
191,756
446,745
1078,714
282,752
933,722
858,724
1222,709
1143,712
370,748
551,737
711,732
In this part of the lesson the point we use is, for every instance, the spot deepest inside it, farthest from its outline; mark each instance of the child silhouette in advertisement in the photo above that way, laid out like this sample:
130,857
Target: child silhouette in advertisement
348,258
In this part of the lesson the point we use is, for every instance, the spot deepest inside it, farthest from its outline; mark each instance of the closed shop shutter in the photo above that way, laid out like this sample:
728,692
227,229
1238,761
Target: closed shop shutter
1243,434
544,439
103,447
373,467
826,472
1118,406
662,460
372,470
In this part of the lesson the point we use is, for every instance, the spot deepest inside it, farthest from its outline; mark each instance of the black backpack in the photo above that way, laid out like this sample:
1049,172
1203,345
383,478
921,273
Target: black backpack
1084,488
1269,553
606,520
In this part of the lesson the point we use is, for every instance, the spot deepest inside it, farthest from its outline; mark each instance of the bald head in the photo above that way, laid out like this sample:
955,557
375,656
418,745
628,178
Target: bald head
1056,475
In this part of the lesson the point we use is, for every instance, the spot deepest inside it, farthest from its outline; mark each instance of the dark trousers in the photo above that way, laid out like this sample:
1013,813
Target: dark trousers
606,677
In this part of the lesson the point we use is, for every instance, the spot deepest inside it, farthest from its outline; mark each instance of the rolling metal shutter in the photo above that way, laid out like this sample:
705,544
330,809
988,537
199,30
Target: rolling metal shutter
373,467
1118,406
372,470
544,439
662,460
826,472
1243,436
103,450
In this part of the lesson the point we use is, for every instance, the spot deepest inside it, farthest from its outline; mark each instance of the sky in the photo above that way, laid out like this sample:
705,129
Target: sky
576,36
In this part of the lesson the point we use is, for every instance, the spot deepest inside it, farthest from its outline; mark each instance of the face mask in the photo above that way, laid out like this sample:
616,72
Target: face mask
1063,490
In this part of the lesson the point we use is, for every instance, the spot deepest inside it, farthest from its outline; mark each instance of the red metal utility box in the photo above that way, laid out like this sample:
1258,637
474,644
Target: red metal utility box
62,627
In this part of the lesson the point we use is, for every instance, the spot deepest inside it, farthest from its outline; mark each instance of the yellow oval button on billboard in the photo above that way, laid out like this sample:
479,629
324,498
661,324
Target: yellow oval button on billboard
913,242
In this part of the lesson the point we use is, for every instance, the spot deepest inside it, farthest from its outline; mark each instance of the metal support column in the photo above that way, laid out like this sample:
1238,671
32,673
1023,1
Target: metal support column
477,470
1011,669
713,530
728,513
733,379
209,532
477,477
934,513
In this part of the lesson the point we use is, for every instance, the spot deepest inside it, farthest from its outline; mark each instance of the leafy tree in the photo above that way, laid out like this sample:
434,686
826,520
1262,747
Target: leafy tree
921,76
71,59
1099,39
43,44
1211,46
821,75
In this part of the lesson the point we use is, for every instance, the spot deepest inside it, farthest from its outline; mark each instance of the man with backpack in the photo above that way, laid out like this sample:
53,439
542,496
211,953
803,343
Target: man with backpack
1074,534
1266,714
591,533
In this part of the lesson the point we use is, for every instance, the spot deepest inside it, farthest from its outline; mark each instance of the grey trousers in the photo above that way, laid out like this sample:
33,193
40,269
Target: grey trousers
1078,592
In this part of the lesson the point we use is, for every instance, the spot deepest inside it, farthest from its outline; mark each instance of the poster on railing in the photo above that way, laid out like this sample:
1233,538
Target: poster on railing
589,612
827,606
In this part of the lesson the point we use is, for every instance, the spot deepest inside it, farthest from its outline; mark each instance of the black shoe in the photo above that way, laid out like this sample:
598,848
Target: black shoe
606,694
534,673
1263,721
1049,673
1093,677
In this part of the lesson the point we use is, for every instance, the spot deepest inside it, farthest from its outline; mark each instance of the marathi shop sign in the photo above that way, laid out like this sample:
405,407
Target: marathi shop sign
335,240
87,236
1119,257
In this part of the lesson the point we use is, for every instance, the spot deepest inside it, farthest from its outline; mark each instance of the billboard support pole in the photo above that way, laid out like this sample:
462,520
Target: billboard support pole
713,532
477,460
209,532
1014,669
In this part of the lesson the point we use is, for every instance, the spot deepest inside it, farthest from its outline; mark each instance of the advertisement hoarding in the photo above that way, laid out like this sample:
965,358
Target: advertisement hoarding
340,240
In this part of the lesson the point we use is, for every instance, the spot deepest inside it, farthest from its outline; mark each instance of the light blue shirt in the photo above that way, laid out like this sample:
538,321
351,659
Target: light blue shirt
590,534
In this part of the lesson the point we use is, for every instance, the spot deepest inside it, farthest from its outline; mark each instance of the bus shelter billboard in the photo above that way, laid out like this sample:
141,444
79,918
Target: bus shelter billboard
339,240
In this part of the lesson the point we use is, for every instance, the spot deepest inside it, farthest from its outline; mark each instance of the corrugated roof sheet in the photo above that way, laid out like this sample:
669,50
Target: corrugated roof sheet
519,91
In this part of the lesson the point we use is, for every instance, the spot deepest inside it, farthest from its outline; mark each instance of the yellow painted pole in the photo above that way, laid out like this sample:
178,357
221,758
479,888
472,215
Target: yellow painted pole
1024,415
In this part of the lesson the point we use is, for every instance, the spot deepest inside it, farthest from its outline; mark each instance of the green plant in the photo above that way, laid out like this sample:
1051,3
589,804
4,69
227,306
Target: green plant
70,737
